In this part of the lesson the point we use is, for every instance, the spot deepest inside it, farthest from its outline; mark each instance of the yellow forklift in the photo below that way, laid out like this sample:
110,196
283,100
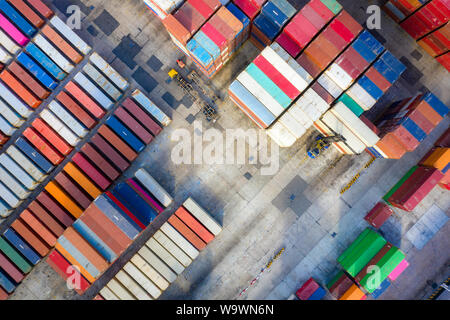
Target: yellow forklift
322,143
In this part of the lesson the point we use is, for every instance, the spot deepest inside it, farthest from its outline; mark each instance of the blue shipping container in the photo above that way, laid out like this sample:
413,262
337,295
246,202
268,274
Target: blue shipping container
266,26
373,44
436,104
386,71
272,12
37,71
34,155
207,44
414,129
5,209
17,19
94,241
78,256
138,206
125,134
285,7
393,62
6,283
318,294
381,289
21,246
365,52
45,61
121,211
200,54
370,87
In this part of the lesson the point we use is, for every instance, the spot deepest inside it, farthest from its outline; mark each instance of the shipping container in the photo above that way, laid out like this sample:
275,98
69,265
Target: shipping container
180,241
14,256
307,289
46,218
154,261
10,269
19,89
140,115
36,70
34,171
47,132
165,256
6,127
59,127
13,32
76,110
131,285
77,93
8,96
119,290
54,207
43,146
95,175
108,294
151,108
100,162
5,283
149,271
141,278
378,215
45,62
3,295
82,180
12,184
22,246
17,18
61,44
5,57
38,227
109,71
28,13
8,44
71,36
148,198
154,187
40,7
93,91
170,246
179,225
64,199
73,189
17,172
109,152
68,119
54,54
10,115
339,285
125,134
133,125
201,215
29,236
36,88
102,82
123,206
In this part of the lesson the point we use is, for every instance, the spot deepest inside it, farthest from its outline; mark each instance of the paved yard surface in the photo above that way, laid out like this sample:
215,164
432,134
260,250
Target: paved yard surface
299,208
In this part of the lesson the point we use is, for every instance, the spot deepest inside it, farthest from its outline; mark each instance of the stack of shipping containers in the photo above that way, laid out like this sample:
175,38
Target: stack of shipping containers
356,280
108,226
164,256
427,22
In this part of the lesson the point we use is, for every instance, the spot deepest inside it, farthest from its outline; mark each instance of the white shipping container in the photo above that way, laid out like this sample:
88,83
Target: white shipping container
157,264
309,109
355,124
95,92
71,36
260,93
337,126
328,84
68,119
26,164
291,62
119,290
181,242
132,286
165,256
151,108
9,197
282,66
361,96
59,127
281,135
339,76
300,116
109,71
102,82
154,187
13,185
293,126
143,281
108,294
5,57
53,53
11,115
313,98
5,211
8,44
14,102
6,127
17,172
171,247
201,215
150,272
152,6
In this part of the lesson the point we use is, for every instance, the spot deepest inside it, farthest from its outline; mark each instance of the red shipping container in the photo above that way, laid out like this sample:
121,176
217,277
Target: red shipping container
378,215
391,147
341,286
142,117
28,80
190,236
10,269
47,219
43,146
321,9
405,138
176,29
310,66
32,239
334,38
250,9
213,4
378,79
211,32
74,108
133,125
348,67
194,225
3,138
109,152
189,17
301,30
308,288
19,89
40,229
41,8
118,143
445,181
100,162
444,60
75,191
85,100
52,206
324,94
29,13
421,121
369,123
286,42
65,270
342,31
98,178
50,135
202,8
269,70
416,188
314,17
444,140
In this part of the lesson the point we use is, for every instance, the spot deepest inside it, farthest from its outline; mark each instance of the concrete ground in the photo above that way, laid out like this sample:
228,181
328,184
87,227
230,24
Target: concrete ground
299,208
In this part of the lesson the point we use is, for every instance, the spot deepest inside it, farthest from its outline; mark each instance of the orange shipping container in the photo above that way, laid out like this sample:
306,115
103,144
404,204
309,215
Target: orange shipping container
24,231
64,199
82,180
48,220
176,29
62,45
28,80
48,133
38,227
439,159
28,13
194,225
20,89
354,293
43,146
74,262
74,108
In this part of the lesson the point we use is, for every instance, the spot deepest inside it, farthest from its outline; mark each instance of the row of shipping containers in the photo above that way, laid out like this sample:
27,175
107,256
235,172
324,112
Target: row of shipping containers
370,250
91,171
208,32
164,256
58,129
45,60
107,227
427,22
406,123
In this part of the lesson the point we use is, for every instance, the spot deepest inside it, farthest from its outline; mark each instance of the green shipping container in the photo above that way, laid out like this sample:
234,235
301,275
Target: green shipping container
14,256
351,104
386,265
360,255
333,5
268,85
335,279
352,247
399,184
